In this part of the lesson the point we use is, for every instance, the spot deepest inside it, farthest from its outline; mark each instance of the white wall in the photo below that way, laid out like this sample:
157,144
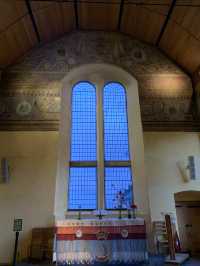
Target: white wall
33,159
30,193
162,151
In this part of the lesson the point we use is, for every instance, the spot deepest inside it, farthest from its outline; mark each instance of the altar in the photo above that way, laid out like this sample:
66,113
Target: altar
108,241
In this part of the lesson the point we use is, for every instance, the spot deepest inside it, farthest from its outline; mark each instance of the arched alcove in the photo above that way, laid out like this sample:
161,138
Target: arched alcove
99,75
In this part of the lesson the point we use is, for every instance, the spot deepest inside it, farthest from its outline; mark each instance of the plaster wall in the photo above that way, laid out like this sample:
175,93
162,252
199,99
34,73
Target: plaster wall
162,151
30,193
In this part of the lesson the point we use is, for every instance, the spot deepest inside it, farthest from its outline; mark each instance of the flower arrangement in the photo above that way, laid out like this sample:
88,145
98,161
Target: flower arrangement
133,206
123,199
120,199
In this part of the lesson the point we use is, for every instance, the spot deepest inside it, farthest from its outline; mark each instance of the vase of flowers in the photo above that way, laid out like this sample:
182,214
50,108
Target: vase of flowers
134,208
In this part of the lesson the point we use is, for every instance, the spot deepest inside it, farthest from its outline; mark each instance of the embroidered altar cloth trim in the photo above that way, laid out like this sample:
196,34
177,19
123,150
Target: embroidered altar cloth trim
97,222
92,229
137,229
95,237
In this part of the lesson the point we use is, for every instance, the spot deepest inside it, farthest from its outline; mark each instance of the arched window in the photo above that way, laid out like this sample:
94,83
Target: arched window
83,173
116,144
110,174
96,178
118,179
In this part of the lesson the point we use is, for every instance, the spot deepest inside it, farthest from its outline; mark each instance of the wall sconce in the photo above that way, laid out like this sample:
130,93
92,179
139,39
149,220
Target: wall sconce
184,170
191,170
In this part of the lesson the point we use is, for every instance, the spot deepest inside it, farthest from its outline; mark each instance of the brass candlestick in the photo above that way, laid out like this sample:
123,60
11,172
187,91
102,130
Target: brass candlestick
79,213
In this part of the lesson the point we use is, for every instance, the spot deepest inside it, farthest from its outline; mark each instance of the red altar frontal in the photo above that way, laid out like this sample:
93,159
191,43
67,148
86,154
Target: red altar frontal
108,240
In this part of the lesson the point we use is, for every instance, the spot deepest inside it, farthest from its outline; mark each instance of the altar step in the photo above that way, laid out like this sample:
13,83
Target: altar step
180,259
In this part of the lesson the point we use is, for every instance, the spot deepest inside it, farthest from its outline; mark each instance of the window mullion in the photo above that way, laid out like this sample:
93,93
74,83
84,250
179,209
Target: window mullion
100,145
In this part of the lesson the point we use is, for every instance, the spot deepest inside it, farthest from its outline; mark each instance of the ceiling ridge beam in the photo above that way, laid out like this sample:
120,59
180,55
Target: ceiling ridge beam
120,15
28,5
166,22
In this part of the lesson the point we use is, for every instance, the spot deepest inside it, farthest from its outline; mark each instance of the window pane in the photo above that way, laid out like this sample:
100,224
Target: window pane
83,133
82,188
116,146
118,187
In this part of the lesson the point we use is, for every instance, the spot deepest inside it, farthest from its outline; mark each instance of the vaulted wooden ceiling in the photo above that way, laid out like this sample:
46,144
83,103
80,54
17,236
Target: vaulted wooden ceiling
171,25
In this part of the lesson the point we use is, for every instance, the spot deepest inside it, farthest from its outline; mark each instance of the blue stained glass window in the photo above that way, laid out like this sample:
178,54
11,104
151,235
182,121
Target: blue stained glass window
118,185
83,132
116,145
82,188
82,180
118,180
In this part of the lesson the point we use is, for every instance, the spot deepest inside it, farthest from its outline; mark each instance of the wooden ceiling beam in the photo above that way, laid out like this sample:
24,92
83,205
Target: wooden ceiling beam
166,22
76,13
195,100
120,15
30,12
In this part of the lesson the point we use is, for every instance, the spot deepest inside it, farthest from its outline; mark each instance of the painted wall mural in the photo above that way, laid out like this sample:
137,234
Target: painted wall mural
30,90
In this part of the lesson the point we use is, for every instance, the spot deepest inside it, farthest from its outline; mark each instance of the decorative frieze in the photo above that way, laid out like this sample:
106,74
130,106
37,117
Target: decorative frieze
30,90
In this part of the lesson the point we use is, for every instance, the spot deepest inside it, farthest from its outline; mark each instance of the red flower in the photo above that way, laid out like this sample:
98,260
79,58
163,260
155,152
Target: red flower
133,206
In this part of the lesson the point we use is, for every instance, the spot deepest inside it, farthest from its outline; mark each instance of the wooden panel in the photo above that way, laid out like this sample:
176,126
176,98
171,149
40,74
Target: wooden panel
5,56
53,19
98,16
159,6
68,15
188,217
191,21
16,41
190,58
181,40
173,40
183,219
144,23
188,18
36,6
181,46
10,12
42,243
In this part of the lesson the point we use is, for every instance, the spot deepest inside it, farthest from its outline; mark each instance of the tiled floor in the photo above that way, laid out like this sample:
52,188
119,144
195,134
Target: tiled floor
193,262
159,261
